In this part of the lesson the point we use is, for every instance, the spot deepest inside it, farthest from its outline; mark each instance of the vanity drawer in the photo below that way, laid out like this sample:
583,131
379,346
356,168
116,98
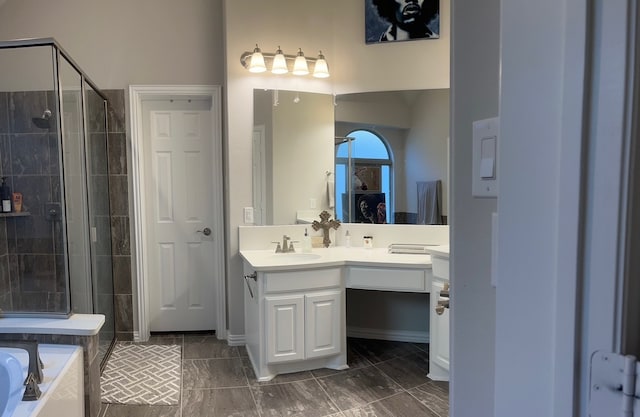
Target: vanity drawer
387,279
302,280
440,267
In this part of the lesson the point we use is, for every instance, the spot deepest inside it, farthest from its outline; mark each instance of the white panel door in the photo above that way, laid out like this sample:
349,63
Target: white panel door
323,323
180,216
285,328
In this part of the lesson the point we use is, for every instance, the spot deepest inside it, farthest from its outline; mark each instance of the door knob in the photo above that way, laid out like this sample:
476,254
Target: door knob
205,232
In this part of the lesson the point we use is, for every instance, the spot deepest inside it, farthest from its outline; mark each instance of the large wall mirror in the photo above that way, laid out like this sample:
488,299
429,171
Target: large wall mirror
373,157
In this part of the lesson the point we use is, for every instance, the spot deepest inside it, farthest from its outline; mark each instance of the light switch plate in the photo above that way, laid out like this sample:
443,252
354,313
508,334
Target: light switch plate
485,169
248,215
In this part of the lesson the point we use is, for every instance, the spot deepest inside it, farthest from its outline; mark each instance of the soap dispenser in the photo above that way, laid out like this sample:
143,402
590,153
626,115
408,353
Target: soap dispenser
5,196
347,239
306,242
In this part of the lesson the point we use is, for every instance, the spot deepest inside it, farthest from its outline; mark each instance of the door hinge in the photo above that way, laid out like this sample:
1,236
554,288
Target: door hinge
614,389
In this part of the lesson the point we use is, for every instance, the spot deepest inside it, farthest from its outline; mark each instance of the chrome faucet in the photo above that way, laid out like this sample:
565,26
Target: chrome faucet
287,245
31,346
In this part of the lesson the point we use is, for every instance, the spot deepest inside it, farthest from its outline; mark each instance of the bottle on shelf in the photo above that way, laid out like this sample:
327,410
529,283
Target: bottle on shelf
5,196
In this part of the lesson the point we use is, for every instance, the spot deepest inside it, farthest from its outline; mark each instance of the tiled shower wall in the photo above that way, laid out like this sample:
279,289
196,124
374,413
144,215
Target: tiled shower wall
31,261
119,201
31,254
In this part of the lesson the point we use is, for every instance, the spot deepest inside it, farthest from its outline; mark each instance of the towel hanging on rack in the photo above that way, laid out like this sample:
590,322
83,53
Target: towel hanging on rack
429,202
331,191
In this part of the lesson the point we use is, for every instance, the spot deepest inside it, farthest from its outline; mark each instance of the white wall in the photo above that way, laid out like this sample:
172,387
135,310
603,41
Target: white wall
336,27
426,150
474,96
122,42
302,153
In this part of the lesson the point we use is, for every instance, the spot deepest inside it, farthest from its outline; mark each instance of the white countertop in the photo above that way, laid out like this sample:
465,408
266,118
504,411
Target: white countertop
441,251
268,260
76,324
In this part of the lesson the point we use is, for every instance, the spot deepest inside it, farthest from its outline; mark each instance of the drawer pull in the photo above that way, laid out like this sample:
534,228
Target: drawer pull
440,310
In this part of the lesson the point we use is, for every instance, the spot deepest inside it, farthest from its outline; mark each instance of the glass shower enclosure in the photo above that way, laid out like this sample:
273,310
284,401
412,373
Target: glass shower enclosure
55,239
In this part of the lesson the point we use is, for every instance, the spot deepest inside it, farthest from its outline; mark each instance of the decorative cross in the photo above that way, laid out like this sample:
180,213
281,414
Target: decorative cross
325,225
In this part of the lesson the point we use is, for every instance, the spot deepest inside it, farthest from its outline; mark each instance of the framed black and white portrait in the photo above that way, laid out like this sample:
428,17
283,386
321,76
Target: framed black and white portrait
401,20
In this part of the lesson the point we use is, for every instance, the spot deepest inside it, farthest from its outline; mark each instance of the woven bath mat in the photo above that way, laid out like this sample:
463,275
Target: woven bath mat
143,374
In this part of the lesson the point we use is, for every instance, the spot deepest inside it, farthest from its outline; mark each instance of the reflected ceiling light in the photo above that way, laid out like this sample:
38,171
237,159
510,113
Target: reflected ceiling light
280,63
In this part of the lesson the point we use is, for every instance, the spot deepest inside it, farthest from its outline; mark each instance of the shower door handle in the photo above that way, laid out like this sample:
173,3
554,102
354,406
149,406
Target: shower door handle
205,232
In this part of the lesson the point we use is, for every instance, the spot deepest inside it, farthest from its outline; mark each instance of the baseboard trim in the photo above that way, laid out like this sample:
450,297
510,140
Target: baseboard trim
236,339
387,334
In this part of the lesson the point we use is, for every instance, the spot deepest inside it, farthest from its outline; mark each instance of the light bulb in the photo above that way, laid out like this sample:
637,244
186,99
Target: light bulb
321,69
257,61
300,64
279,63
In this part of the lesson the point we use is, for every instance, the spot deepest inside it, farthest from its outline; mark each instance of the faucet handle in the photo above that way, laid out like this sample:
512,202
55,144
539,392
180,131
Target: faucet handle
278,247
291,242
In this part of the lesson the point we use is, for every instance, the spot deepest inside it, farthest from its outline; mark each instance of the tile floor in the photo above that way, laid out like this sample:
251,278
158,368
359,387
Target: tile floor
385,379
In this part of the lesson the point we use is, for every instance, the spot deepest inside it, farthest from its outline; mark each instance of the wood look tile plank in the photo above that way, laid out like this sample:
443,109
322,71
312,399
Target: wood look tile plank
213,373
220,402
408,371
400,405
293,399
355,388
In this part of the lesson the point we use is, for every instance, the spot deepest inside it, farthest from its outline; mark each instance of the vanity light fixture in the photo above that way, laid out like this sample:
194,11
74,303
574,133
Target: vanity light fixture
280,63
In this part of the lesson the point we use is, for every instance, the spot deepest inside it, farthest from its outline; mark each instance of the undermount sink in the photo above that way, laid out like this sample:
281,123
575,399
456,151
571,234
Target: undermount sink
295,256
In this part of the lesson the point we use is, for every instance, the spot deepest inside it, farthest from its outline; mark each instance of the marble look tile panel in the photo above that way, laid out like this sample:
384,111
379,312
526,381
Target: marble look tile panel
400,405
54,154
119,195
33,235
98,157
207,347
219,402
36,192
302,398
213,373
115,111
30,154
408,371
5,154
117,153
121,274
120,236
23,106
103,246
358,387
124,312
92,392
432,397
124,336
99,189
37,273
4,112
4,249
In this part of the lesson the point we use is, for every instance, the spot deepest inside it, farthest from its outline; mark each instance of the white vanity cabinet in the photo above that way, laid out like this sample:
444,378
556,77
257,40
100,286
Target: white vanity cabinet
302,322
439,319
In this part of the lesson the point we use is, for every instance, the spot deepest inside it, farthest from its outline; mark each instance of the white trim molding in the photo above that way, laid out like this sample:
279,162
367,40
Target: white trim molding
137,95
236,339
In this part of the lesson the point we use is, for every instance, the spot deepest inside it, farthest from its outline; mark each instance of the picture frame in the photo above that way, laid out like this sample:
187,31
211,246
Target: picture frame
401,20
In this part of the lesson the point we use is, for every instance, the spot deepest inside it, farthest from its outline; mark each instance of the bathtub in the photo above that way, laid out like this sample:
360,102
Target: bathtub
62,384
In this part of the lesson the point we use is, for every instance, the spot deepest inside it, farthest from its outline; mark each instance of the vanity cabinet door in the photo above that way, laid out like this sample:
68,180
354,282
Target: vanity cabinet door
284,328
323,323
